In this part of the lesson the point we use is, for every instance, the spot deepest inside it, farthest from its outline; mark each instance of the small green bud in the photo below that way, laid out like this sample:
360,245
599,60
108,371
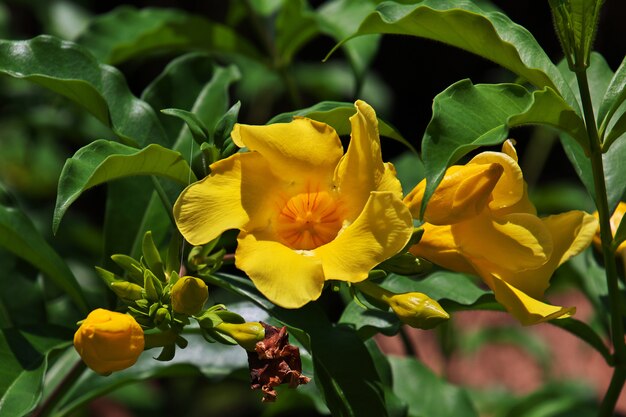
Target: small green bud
127,291
189,295
245,334
417,310
162,316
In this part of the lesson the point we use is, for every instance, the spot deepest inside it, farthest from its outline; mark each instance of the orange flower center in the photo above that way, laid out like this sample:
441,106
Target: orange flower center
309,220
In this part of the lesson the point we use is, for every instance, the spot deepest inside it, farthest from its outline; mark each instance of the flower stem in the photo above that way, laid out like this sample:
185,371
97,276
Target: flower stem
606,237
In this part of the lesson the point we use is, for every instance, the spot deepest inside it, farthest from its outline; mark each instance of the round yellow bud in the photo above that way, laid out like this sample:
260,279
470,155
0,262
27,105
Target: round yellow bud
108,341
417,310
189,295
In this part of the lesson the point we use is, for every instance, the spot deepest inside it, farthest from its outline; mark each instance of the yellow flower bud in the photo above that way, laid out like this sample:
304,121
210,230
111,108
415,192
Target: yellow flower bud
462,194
417,310
616,218
245,334
189,295
108,341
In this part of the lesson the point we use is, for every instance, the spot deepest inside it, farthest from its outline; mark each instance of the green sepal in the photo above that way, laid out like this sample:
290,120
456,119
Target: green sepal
127,291
219,337
181,342
173,279
142,303
152,286
173,256
230,317
153,309
209,320
151,256
210,153
137,313
225,125
167,353
198,130
131,266
107,276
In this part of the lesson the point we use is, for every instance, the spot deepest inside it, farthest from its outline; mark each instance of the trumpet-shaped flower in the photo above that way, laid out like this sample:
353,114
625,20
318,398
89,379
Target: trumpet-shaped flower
306,211
498,235
615,220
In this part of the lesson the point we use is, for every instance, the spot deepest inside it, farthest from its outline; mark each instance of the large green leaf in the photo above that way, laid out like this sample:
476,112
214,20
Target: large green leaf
72,71
295,26
103,161
344,369
127,33
467,116
19,235
426,394
337,114
24,357
614,96
461,23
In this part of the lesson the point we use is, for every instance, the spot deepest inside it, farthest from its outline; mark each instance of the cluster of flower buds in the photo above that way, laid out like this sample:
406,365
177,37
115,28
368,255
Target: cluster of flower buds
159,304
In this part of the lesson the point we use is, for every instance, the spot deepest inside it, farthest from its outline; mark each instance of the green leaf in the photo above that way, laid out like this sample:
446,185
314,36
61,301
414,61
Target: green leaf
460,23
24,357
427,394
617,131
585,333
73,72
103,161
19,235
613,97
214,361
295,26
337,114
340,19
562,398
467,116
369,321
196,127
127,33
410,170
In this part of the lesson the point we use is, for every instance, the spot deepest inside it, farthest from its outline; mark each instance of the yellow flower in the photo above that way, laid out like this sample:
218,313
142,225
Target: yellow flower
189,295
108,341
502,240
306,212
615,220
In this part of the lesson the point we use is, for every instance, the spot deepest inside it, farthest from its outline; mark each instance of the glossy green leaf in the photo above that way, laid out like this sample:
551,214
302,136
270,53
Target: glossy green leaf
103,161
410,170
337,114
73,72
198,131
127,33
340,19
613,97
19,235
426,393
461,23
24,357
213,360
369,321
467,116
617,131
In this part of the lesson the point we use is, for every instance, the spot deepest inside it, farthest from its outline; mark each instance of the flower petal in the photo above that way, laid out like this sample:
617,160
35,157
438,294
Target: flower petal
515,242
294,150
438,246
525,308
361,170
381,231
510,189
235,192
287,278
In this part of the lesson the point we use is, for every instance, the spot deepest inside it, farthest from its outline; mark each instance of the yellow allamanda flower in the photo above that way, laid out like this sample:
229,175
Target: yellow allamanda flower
306,212
108,341
480,221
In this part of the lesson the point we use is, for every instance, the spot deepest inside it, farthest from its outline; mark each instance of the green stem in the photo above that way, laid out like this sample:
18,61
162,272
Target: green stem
612,394
606,237
59,392
167,205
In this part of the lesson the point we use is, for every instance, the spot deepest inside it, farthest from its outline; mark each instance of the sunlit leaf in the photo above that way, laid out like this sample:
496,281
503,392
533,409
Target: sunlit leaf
461,23
73,72
24,357
102,161
19,235
127,33
467,116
